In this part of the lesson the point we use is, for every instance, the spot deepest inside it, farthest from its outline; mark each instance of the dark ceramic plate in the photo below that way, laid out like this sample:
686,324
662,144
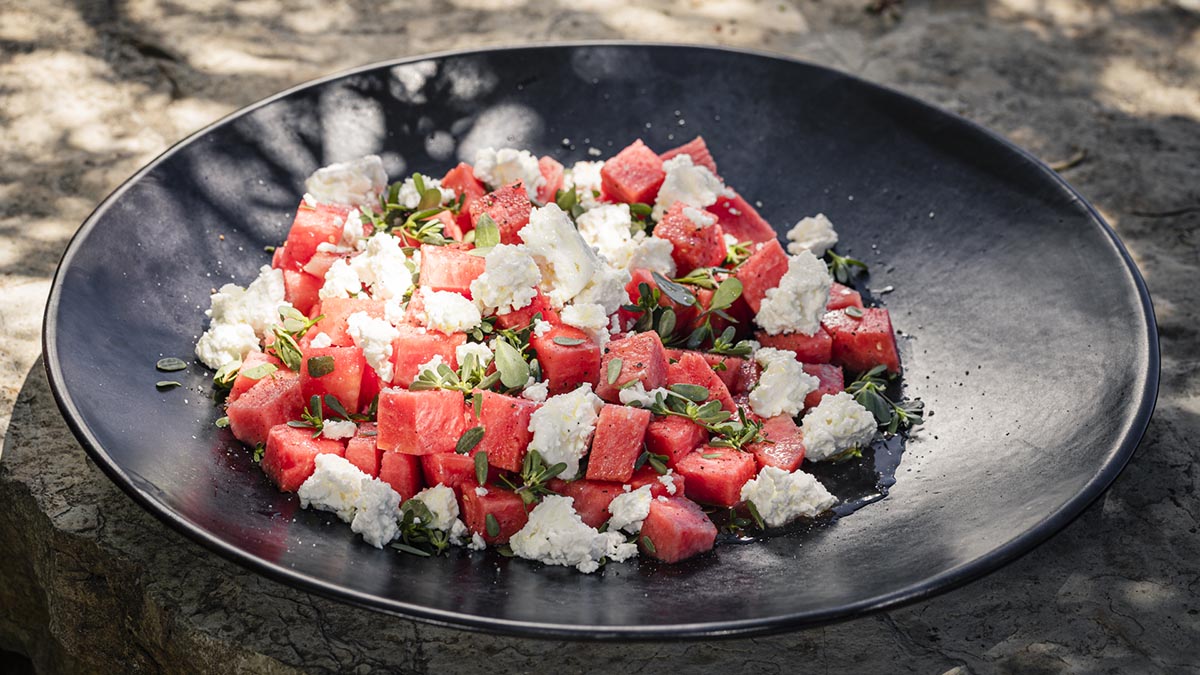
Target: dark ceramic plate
1032,334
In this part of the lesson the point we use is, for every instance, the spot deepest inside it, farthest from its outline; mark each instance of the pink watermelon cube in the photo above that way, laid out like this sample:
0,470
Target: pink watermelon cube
446,268
509,206
291,455
313,226
302,290
660,484
815,348
362,452
691,368
274,400
592,497
462,180
402,472
695,245
523,317
617,443
673,436
841,297
786,447
761,272
832,380
676,529
552,171
861,343
413,348
506,436
452,470
643,358
242,383
566,367
741,220
697,149
336,311
504,505
633,175
344,382
420,422
716,475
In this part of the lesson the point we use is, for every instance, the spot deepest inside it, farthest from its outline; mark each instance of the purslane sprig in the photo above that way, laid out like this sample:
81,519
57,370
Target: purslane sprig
535,475
689,401
287,333
870,390
416,536
844,269
419,224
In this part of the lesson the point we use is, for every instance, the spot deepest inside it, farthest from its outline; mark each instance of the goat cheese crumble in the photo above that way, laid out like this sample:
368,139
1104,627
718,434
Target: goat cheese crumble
814,234
566,261
837,424
556,535
629,509
782,385
797,304
781,497
509,280
563,427
448,312
374,336
689,183
368,504
500,167
358,182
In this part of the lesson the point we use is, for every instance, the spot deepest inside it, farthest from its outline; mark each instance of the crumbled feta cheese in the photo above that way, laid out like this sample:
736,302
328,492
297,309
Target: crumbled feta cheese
668,479
562,428
590,318
337,429
536,392
374,337
629,509
382,267
509,280
636,395
782,385
448,312
341,281
566,261
481,491
688,183
431,365
477,542
837,424
606,228
607,288
540,328
781,497
320,341
226,342
240,316
556,535
699,217
368,504
654,254
358,182
376,515
483,355
500,167
352,236
442,504
458,532
815,234
797,304
585,179
409,198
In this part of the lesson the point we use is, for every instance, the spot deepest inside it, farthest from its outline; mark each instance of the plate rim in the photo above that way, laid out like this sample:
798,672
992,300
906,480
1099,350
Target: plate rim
948,580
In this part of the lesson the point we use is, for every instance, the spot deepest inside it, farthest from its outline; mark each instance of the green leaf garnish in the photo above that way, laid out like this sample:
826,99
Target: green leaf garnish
260,371
754,514
492,526
481,466
513,369
467,442
853,311
678,293
259,451
320,366
534,477
870,390
614,369
487,233
649,544
844,269
692,392
163,385
171,364
222,422
568,341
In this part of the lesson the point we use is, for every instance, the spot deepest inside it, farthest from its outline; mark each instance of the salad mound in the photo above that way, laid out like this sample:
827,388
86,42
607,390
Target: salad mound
575,365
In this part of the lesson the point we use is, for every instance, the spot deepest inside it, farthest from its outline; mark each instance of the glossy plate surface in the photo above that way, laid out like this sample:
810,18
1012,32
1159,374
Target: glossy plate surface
1032,335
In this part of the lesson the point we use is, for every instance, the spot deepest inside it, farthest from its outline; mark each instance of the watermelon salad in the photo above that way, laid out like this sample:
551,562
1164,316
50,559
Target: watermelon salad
573,365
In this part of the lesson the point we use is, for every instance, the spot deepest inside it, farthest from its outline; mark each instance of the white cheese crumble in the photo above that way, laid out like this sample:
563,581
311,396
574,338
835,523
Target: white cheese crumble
566,261
699,217
442,504
688,183
590,318
226,342
374,337
607,288
837,424
500,167
654,254
320,341
606,228
341,281
383,267
481,491
409,198
448,312
629,509
509,280
782,385
815,234
585,179
668,480
240,316
358,182
477,543
352,236
556,535
431,365
563,427
636,395
338,429
483,354
536,392
797,304
541,327
781,497
368,504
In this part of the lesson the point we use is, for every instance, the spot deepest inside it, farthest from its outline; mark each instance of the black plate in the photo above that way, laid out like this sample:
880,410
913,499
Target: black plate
1032,334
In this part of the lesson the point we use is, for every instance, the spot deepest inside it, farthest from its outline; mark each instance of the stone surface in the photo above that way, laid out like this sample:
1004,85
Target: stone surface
92,90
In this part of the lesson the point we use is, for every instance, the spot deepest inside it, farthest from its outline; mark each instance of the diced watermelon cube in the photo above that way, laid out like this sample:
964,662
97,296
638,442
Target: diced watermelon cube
504,505
726,367
524,316
565,367
746,379
832,380
401,471
716,475
697,149
684,316
335,312
633,175
462,180
815,348
841,297
861,343
643,358
741,220
242,383
506,435
344,383
618,441
291,455
302,290
786,447
444,268
371,386
361,450
282,260
761,272
509,206
695,245
315,225
691,368
320,263
592,498
552,171
674,437
660,484
676,529
420,422
273,401
451,469
413,348
739,311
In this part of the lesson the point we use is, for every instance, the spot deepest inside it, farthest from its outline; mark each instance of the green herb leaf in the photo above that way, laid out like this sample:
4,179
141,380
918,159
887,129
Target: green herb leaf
411,550
260,371
754,514
649,545
487,233
639,210
514,371
568,341
468,441
710,455
320,366
259,451
692,392
226,374
492,525
844,269
853,311
287,350
171,364
676,292
163,385
222,422
336,406
726,294
481,467
614,369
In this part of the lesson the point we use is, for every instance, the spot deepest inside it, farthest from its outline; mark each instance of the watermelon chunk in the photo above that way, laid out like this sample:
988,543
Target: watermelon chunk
815,348
684,316
420,422
302,290
592,497
741,220
618,441
739,311
313,226
504,505
841,297
320,263
643,358
509,206
362,452
692,368
832,380
658,483
633,175
697,149
273,401
524,316
344,383
694,245
716,475
413,348
786,447
746,378
462,180
452,470
674,437
444,268
726,367
335,312
676,529
291,455
506,436
762,272
282,260
241,384
552,171
402,472
861,343
566,367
